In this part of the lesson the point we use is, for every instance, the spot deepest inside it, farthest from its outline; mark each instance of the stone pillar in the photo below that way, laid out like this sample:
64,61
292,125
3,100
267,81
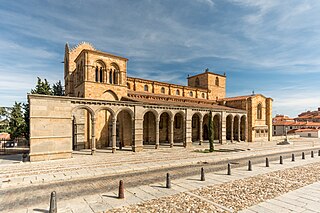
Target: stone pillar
231,127
157,133
245,130
171,132
114,135
239,130
93,137
200,131
222,135
138,129
188,129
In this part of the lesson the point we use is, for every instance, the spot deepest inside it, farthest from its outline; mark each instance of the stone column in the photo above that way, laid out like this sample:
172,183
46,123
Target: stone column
200,131
188,129
114,135
239,130
171,132
138,129
245,130
222,135
157,133
231,127
93,137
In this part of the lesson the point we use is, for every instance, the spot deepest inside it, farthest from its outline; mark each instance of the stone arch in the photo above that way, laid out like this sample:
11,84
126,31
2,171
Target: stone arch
236,127
205,125
99,67
164,126
178,127
195,134
110,96
149,127
217,126
124,127
229,120
114,74
82,117
153,111
104,117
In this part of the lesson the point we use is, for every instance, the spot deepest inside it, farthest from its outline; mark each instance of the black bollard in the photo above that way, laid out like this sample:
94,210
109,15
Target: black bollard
121,190
202,178
249,166
281,160
168,182
267,162
302,156
229,169
293,159
53,203
312,155
318,152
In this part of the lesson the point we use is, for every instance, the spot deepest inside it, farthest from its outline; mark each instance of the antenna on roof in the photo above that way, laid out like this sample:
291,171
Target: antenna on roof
224,73
206,70
252,92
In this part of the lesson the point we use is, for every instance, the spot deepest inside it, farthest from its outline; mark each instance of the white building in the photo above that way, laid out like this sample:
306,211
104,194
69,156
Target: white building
310,133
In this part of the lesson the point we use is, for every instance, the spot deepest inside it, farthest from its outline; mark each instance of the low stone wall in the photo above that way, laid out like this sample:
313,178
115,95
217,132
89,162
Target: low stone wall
277,138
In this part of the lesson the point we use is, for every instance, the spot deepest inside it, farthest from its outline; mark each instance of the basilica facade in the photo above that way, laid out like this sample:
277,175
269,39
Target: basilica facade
105,109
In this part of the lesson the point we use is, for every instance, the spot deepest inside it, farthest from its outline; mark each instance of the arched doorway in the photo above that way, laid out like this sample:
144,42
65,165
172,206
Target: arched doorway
243,128
216,124
149,128
81,128
229,127
236,133
124,129
104,117
205,125
164,128
195,127
178,128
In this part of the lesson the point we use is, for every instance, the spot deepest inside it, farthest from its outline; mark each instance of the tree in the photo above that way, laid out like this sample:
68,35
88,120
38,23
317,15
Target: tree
57,89
211,133
16,121
26,120
42,88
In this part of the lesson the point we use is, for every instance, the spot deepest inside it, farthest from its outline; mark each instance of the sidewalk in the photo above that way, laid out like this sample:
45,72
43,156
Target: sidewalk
103,163
149,193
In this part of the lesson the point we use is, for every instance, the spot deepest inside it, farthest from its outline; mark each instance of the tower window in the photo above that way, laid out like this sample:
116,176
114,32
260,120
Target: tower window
163,90
203,95
97,75
191,93
101,74
110,77
259,111
128,85
197,82
146,88
217,81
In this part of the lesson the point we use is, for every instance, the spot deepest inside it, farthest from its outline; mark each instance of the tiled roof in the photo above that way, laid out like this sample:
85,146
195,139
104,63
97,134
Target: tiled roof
149,98
295,123
307,130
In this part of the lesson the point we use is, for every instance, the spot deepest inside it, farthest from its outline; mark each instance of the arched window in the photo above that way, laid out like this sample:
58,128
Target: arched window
203,95
259,111
191,93
197,82
163,90
128,85
115,77
97,74
101,74
116,73
177,92
146,88
110,77
217,81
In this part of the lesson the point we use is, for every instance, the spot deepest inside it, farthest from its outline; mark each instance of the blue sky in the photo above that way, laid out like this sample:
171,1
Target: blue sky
269,46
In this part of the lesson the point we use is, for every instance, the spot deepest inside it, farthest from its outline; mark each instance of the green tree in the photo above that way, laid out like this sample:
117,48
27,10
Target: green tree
16,121
42,88
211,133
26,119
57,89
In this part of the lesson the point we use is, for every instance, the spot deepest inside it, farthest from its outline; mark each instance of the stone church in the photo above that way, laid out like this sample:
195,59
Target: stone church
105,109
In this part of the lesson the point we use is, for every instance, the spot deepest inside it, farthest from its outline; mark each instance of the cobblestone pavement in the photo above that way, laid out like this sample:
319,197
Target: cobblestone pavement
156,198
83,165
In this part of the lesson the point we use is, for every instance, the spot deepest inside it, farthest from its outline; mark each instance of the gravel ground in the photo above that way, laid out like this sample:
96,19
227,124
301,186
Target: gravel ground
235,195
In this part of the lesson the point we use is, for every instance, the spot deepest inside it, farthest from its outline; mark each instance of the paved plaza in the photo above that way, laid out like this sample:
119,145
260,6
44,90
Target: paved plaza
82,166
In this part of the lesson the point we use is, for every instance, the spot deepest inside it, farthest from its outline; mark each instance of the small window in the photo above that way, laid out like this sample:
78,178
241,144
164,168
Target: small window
110,77
191,93
203,95
146,88
259,112
178,92
163,90
128,85
101,74
97,75
217,81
